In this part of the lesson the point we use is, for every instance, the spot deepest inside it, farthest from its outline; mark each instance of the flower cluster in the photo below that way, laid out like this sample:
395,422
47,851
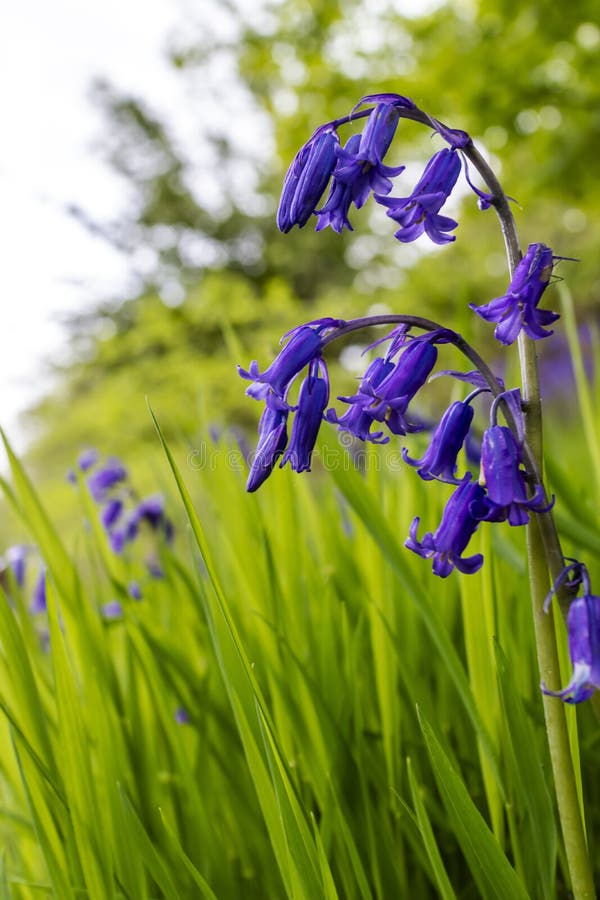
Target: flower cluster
380,408
495,485
357,170
122,514
14,573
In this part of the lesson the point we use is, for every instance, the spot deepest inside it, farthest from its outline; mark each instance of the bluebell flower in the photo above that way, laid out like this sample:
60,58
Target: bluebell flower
181,716
517,309
360,164
390,398
440,459
419,212
111,513
501,473
583,625
272,440
312,400
87,459
134,590
103,480
334,211
155,569
150,510
38,601
15,558
304,344
460,521
357,421
307,178
112,610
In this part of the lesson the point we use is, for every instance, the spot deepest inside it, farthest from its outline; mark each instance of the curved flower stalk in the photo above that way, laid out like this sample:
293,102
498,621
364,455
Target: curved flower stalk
510,487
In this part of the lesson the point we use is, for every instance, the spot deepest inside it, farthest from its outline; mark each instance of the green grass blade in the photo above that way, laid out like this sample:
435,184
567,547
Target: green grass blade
490,868
433,853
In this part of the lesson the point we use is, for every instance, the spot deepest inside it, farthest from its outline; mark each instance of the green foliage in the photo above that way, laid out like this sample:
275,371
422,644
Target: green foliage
301,663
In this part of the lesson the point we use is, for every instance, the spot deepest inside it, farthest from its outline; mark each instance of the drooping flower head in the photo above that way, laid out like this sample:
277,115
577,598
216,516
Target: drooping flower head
358,169
304,344
440,459
307,179
357,421
272,440
419,212
518,309
460,521
583,625
312,400
501,473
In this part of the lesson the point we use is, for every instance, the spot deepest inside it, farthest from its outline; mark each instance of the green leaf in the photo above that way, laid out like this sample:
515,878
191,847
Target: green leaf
495,877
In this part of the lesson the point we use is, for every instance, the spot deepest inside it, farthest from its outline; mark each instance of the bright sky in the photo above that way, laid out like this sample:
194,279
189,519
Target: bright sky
49,54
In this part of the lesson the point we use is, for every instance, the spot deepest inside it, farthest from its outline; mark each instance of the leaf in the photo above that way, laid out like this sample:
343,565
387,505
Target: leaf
490,868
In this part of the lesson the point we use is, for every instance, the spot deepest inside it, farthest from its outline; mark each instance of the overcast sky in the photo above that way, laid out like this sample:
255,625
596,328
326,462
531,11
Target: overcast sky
49,55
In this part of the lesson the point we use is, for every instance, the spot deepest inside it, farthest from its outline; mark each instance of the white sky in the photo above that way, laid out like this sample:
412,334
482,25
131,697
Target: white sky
49,54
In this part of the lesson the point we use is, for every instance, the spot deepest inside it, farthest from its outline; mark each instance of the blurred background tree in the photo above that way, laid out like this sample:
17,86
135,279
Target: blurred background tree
213,281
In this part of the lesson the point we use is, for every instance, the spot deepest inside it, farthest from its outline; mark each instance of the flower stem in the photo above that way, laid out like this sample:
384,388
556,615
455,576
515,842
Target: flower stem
544,557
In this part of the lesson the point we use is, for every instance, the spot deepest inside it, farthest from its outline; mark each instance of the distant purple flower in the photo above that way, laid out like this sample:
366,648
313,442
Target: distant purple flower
134,590
304,345
312,400
117,540
504,479
181,716
38,601
583,624
87,459
307,178
459,522
150,510
272,440
111,513
155,570
440,459
103,480
419,213
112,610
16,559
517,309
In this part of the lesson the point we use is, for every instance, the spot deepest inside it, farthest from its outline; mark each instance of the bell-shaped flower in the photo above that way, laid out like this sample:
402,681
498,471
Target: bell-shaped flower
460,520
391,397
419,213
272,440
304,344
501,473
583,625
360,163
103,480
307,179
312,400
440,459
357,421
517,309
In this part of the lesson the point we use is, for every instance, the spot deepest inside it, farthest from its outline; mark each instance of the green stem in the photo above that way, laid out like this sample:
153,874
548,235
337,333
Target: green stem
545,561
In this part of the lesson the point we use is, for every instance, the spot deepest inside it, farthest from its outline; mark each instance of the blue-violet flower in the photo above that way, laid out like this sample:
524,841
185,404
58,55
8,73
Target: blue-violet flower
440,459
459,522
517,309
419,212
